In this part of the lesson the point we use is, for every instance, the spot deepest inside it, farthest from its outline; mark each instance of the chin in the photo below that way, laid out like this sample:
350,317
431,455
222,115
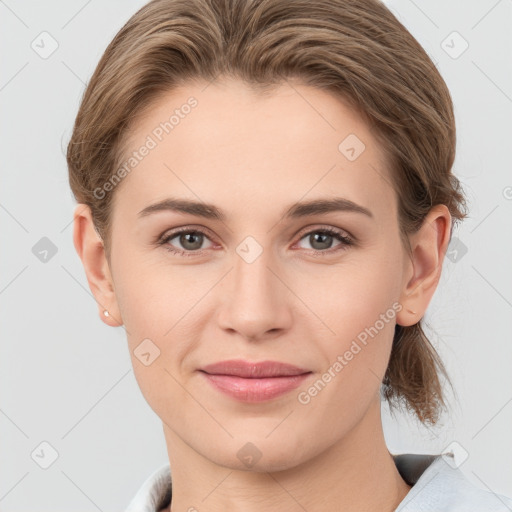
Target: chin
259,453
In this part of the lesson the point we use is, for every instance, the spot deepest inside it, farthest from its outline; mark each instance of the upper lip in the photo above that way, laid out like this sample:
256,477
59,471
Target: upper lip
254,370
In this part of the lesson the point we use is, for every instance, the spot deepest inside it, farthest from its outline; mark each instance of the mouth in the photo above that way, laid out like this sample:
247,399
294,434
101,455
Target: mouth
253,370
254,382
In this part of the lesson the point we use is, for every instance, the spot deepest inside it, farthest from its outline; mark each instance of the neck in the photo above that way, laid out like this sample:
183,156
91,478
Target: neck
356,474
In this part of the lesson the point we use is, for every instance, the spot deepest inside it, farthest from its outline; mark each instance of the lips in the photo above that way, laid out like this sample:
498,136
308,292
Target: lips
254,382
257,370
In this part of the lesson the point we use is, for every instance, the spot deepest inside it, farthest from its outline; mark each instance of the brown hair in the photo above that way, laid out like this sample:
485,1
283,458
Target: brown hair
356,49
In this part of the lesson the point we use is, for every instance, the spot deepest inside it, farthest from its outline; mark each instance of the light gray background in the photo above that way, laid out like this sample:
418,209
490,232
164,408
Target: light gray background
66,377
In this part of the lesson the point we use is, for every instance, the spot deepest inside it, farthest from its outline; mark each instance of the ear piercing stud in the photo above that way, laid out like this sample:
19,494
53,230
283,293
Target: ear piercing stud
105,312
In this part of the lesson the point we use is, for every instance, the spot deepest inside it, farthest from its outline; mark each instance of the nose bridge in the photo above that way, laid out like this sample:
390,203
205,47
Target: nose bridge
256,301
252,278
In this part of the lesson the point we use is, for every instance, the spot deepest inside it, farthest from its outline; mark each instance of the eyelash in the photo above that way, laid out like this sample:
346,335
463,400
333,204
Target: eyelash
346,241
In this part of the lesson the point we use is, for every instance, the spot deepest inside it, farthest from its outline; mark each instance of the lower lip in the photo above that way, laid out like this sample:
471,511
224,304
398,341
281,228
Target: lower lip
255,390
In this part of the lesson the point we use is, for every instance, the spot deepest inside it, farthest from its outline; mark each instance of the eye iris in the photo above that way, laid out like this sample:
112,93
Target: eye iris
192,240
185,238
324,239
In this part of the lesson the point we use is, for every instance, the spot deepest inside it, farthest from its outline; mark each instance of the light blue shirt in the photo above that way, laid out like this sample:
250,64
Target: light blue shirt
438,486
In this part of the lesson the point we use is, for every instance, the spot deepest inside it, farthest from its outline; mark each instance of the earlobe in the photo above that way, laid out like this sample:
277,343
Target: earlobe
428,247
90,249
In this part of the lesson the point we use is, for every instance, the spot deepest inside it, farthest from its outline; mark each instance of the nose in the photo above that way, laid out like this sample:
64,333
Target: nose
256,303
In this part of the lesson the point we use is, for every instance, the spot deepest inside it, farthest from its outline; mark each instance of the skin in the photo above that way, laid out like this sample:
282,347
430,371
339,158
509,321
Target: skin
253,156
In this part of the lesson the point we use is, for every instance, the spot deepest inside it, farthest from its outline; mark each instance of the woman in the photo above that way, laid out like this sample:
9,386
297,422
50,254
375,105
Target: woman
265,200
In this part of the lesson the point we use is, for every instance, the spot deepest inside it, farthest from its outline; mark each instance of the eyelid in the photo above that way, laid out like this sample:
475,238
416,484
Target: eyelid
162,240
328,228
171,233
345,238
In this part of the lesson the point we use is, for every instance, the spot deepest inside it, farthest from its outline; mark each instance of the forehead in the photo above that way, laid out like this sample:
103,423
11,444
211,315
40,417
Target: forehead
224,142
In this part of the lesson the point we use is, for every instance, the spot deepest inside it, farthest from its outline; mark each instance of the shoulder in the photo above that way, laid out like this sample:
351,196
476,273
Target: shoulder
443,487
155,492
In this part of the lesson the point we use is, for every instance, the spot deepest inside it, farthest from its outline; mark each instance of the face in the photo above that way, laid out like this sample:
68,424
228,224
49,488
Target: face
252,273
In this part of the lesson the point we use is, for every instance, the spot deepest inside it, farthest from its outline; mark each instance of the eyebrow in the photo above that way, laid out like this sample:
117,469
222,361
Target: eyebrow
296,210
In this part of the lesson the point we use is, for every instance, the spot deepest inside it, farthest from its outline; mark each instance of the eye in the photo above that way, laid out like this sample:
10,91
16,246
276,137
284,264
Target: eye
191,241
321,240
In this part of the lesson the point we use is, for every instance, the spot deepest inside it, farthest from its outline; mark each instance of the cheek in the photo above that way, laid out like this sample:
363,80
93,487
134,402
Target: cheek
352,296
358,304
156,303
362,315
146,293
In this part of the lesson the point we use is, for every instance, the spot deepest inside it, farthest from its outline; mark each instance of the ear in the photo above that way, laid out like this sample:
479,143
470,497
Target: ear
423,270
90,249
